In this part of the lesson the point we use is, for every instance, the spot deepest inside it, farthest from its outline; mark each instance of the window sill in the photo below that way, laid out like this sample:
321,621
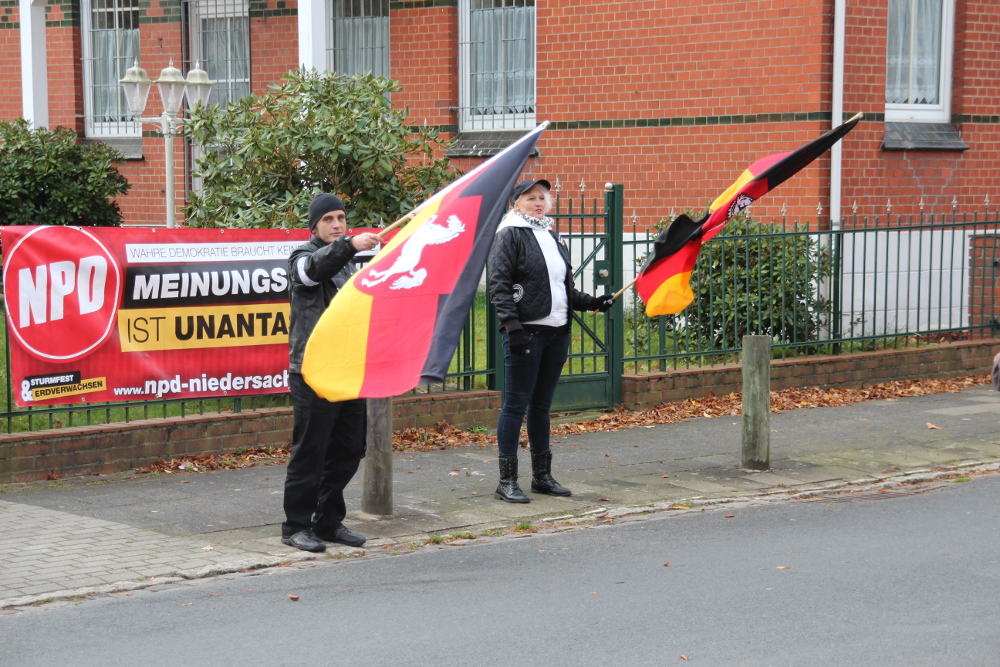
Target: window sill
922,136
485,143
129,147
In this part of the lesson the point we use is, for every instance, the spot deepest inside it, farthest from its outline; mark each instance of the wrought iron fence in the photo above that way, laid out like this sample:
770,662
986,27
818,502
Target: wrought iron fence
473,366
870,283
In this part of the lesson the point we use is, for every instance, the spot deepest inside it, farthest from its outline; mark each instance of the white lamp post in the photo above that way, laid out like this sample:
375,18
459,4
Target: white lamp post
173,89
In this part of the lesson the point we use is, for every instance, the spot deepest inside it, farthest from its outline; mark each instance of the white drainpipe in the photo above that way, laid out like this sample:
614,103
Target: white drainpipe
837,110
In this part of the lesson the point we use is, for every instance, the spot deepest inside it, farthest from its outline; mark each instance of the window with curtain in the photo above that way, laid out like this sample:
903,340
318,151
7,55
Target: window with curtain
110,46
219,41
497,64
358,37
918,60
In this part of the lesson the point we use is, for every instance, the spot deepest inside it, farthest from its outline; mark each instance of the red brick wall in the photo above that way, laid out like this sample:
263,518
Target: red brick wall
92,450
10,54
274,46
859,369
424,60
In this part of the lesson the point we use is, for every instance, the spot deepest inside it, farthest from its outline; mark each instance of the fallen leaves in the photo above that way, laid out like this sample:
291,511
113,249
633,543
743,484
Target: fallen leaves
444,435
784,567
603,499
680,506
684,657
293,598
208,548
441,436
666,565
729,516
245,458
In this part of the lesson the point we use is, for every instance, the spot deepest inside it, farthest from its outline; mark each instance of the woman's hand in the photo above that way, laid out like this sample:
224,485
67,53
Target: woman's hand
604,303
519,342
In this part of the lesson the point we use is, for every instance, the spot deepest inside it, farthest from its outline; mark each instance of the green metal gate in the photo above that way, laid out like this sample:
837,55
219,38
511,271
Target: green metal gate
592,377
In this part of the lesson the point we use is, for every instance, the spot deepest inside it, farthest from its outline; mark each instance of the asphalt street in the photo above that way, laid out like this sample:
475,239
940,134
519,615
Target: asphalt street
905,577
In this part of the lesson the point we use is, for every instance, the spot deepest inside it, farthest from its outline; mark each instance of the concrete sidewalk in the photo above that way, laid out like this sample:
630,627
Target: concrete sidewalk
95,535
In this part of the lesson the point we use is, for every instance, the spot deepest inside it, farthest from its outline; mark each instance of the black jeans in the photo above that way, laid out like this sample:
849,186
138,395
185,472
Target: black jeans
328,443
529,384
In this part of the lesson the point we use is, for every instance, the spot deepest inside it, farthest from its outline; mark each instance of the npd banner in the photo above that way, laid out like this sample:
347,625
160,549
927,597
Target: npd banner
112,314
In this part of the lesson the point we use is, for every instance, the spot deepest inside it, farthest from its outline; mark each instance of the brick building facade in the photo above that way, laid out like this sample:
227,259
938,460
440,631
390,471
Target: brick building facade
671,98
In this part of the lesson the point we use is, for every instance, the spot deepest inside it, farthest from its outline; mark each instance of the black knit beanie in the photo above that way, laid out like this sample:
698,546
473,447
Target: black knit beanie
322,205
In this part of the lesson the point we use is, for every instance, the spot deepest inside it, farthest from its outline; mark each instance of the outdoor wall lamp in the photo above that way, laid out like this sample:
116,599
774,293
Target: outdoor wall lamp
173,89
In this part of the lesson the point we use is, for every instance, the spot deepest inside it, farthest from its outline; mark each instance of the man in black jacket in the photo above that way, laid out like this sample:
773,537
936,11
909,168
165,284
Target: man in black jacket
328,438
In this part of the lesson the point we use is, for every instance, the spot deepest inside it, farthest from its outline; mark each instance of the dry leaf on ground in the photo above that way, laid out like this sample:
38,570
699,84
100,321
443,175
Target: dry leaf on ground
444,435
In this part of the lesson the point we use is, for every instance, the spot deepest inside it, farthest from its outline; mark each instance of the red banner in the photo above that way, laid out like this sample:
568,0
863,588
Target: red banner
115,314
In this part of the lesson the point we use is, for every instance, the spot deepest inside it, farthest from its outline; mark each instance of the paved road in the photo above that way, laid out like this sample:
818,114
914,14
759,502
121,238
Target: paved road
64,539
907,577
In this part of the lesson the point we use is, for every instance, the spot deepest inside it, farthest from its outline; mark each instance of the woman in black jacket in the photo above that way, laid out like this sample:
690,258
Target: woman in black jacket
531,286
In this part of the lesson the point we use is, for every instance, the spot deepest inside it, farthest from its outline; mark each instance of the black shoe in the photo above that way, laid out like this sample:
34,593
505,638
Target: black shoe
305,540
508,490
342,536
541,476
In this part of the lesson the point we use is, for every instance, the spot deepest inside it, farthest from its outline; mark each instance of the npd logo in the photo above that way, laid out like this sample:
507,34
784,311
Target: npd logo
62,292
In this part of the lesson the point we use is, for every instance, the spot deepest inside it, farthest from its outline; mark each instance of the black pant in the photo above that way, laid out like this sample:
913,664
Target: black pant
328,443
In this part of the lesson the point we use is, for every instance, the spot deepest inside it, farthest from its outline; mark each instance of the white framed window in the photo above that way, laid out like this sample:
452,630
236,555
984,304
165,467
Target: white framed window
920,42
496,64
219,41
358,37
110,45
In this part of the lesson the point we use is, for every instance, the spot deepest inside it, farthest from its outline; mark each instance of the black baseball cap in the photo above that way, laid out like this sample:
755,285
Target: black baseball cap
524,186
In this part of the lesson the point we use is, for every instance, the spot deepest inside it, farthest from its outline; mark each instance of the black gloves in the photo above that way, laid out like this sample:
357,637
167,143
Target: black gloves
519,342
604,303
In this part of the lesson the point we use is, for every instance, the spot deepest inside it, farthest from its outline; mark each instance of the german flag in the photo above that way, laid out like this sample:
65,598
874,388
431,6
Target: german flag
397,322
664,280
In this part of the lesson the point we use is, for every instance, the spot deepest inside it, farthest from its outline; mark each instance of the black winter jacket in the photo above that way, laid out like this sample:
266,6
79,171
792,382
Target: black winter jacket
519,279
327,268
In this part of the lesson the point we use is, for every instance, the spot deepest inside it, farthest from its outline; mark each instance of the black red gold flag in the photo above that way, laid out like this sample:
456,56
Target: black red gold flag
664,280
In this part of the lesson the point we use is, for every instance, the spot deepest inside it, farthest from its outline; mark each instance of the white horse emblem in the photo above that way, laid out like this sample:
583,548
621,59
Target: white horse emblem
409,256
742,201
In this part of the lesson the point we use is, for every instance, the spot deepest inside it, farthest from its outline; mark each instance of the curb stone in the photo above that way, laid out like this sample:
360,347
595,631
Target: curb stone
253,563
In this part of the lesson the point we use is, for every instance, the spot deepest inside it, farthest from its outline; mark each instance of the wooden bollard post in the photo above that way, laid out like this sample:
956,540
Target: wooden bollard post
756,402
376,493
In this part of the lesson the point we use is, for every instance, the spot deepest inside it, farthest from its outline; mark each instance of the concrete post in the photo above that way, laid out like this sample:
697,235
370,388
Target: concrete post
756,403
376,492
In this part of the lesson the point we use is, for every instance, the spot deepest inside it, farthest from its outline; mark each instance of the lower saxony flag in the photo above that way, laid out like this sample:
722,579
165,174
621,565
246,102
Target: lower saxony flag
396,323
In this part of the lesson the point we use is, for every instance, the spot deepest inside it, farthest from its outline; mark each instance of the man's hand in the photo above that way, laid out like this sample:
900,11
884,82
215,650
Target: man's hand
365,241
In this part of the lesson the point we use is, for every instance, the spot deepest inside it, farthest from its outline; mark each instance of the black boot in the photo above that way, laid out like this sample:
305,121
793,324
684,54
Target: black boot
508,490
541,478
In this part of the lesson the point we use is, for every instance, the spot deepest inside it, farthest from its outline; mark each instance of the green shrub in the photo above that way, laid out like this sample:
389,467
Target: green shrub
47,177
267,156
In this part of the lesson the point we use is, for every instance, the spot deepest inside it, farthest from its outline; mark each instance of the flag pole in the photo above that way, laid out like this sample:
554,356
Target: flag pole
406,217
854,117
619,292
